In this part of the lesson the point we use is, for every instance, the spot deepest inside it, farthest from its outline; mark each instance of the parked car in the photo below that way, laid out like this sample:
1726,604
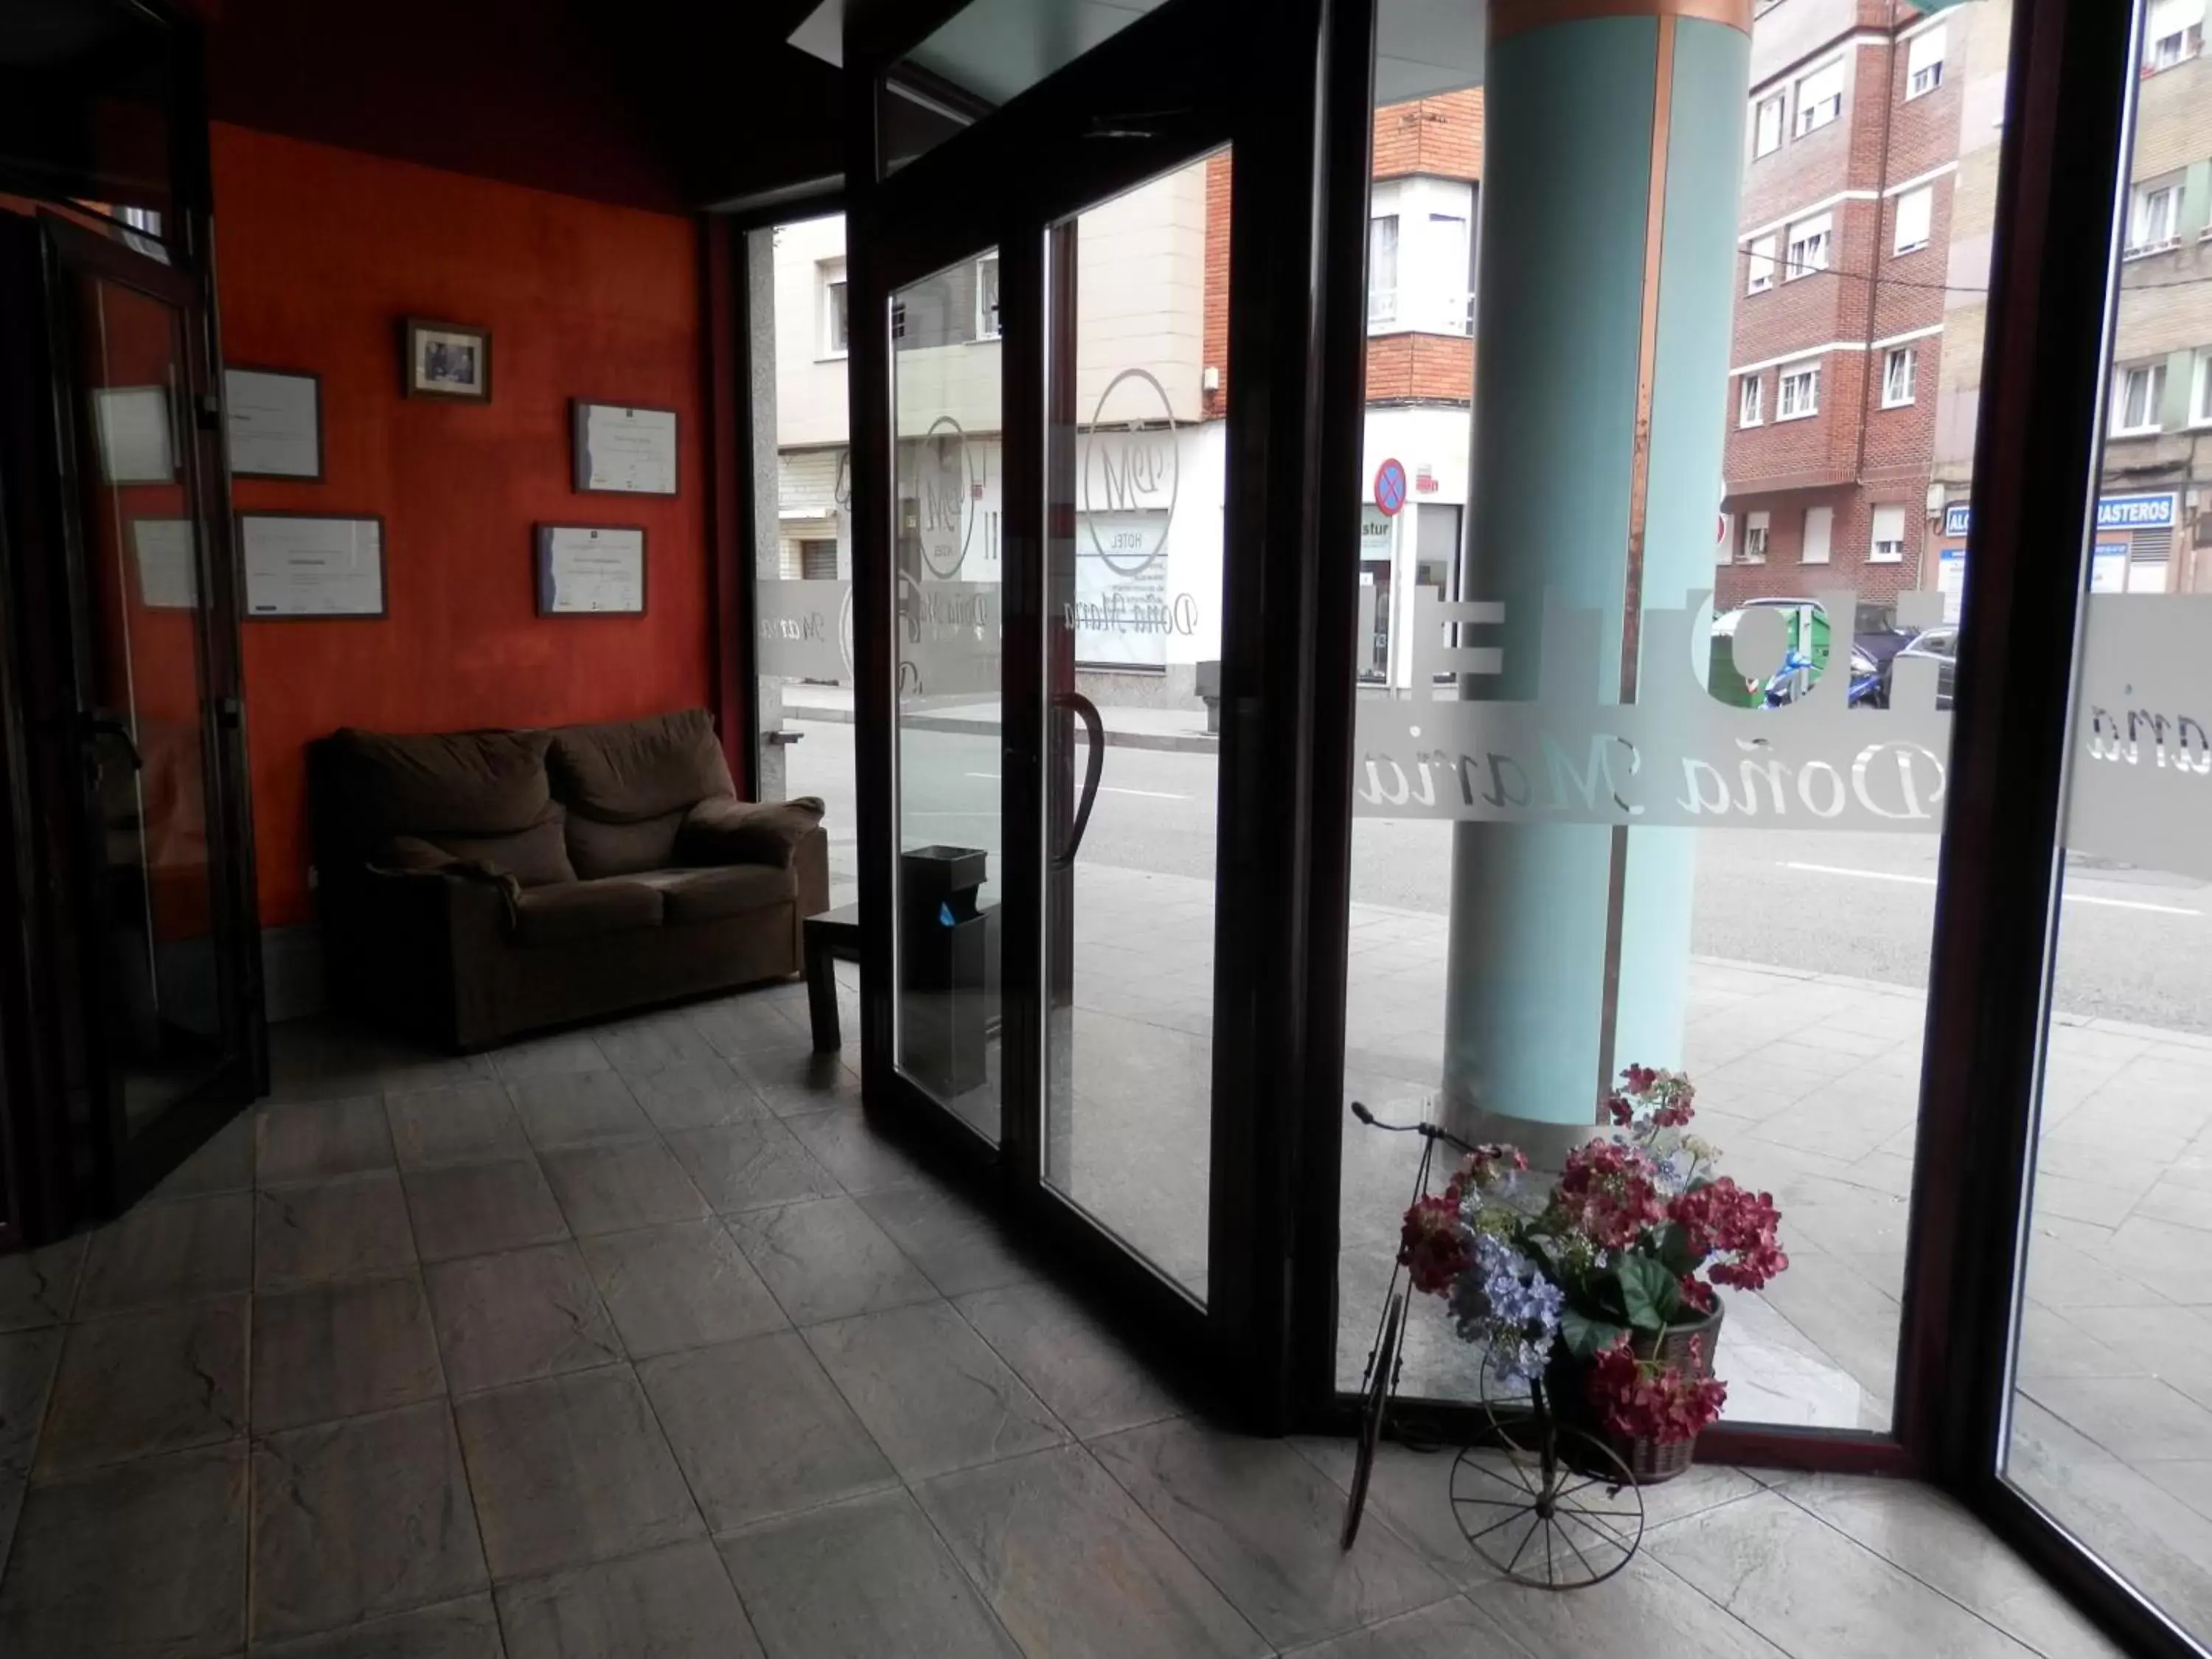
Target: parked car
1938,644
1876,638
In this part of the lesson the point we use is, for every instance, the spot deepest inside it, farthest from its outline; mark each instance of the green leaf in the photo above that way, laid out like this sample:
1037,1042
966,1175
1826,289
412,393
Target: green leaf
1585,1336
1672,1246
1651,1294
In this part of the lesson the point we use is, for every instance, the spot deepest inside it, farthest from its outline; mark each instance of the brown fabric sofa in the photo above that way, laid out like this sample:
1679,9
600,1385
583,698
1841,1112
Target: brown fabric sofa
474,885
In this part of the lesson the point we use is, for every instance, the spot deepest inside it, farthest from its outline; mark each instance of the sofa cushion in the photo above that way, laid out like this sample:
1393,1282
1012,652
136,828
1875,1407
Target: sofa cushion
628,771
535,855
585,909
442,784
728,890
598,848
747,832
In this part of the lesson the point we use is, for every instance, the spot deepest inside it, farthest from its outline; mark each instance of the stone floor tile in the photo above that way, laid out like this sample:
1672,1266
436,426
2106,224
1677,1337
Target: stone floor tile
467,1629
845,1143
564,1055
571,1108
617,1186
171,1529
682,1286
759,1429
165,1253
1080,1368
1810,1590
1456,1629
38,1288
675,1603
140,1384
472,1123
1263,1524
469,1209
525,1314
570,1470
224,1164
652,1043
697,1094
959,1247
901,1592
358,1519
2139,1419
1074,1569
750,1165
27,1361
353,1228
826,1260
1645,1608
931,1391
332,1351
297,1143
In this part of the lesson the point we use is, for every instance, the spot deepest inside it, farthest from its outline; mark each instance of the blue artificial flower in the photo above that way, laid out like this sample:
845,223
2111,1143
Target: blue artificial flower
1504,1301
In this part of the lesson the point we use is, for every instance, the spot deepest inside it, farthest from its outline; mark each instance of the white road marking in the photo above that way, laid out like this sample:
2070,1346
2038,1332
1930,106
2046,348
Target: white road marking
1150,794
993,776
1929,881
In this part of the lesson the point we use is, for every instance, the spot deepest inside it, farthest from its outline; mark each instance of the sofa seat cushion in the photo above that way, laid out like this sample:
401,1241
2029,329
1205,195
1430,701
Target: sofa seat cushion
585,909
535,856
712,895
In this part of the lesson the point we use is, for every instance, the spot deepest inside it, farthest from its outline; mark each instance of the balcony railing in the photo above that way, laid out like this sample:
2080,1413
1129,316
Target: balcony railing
1396,310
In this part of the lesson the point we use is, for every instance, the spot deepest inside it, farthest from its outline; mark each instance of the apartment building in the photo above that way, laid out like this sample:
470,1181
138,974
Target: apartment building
1852,142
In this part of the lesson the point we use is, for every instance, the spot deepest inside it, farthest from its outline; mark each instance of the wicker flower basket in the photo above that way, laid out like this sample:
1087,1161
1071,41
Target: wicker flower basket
1567,1382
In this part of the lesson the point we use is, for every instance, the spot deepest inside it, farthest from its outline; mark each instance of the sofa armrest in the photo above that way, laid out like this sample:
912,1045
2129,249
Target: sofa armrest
421,945
725,831
810,863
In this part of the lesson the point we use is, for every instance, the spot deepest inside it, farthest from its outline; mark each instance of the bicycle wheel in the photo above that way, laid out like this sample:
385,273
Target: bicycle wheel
1380,1382
1555,1509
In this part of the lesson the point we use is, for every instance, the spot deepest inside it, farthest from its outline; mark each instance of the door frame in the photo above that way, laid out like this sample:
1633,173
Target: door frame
1150,100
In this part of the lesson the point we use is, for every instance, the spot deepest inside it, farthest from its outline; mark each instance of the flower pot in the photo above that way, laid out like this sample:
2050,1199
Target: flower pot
1566,1380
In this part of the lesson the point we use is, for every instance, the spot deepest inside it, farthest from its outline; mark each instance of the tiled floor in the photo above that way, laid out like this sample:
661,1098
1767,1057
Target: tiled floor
640,1343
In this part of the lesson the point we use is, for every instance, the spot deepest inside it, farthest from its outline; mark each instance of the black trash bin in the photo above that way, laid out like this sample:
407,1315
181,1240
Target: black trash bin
945,967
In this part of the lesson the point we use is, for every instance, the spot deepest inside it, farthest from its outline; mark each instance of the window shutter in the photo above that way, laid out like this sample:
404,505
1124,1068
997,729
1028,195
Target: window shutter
2196,200
2180,382
1818,522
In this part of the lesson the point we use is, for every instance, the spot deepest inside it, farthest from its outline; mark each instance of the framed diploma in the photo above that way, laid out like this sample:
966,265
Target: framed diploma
275,421
298,564
623,450
590,570
136,444
169,566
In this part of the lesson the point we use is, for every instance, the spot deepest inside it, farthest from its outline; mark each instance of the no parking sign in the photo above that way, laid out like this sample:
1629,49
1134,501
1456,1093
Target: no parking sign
1390,486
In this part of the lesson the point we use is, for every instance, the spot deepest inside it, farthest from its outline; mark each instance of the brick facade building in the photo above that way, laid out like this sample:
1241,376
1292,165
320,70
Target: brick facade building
1851,148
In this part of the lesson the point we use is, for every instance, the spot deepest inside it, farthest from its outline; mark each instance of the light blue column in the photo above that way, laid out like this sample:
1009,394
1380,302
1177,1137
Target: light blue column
1570,943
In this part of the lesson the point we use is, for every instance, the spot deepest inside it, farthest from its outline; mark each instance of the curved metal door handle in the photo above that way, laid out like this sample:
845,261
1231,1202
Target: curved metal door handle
1086,711
106,725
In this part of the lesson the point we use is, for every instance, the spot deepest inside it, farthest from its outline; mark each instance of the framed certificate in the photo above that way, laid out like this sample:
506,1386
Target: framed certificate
136,444
624,450
590,570
300,564
166,555
274,422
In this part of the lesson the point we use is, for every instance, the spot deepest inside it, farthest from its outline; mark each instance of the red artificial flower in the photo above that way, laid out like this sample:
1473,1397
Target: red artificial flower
1430,1245
1639,1079
1609,1193
1639,1400
1722,1220
1484,1168
1697,1294
1621,1109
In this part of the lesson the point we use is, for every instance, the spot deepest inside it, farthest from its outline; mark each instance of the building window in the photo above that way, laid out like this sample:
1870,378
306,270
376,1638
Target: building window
837,317
2155,215
1923,62
1754,537
1748,397
2200,395
1766,119
1449,249
987,297
1888,538
1382,270
1896,372
1915,209
898,316
2174,34
1799,393
1819,97
1761,265
1809,240
2135,399
1820,528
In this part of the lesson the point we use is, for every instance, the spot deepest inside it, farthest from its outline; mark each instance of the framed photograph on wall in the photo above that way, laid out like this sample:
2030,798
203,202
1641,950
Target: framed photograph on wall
447,359
273,419
306,564
624,449
590,570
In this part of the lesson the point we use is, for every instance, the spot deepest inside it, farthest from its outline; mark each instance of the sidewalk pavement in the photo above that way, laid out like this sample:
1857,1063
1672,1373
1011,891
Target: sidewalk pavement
1180,730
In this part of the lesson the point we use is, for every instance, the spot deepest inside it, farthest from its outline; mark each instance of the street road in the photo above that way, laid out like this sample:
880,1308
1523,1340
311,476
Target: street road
2133,945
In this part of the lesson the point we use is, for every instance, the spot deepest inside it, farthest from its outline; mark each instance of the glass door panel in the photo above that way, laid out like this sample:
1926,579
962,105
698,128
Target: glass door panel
948,883
1133,609
142,688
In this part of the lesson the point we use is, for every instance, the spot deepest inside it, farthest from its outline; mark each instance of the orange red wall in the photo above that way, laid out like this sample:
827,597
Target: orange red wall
321,252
